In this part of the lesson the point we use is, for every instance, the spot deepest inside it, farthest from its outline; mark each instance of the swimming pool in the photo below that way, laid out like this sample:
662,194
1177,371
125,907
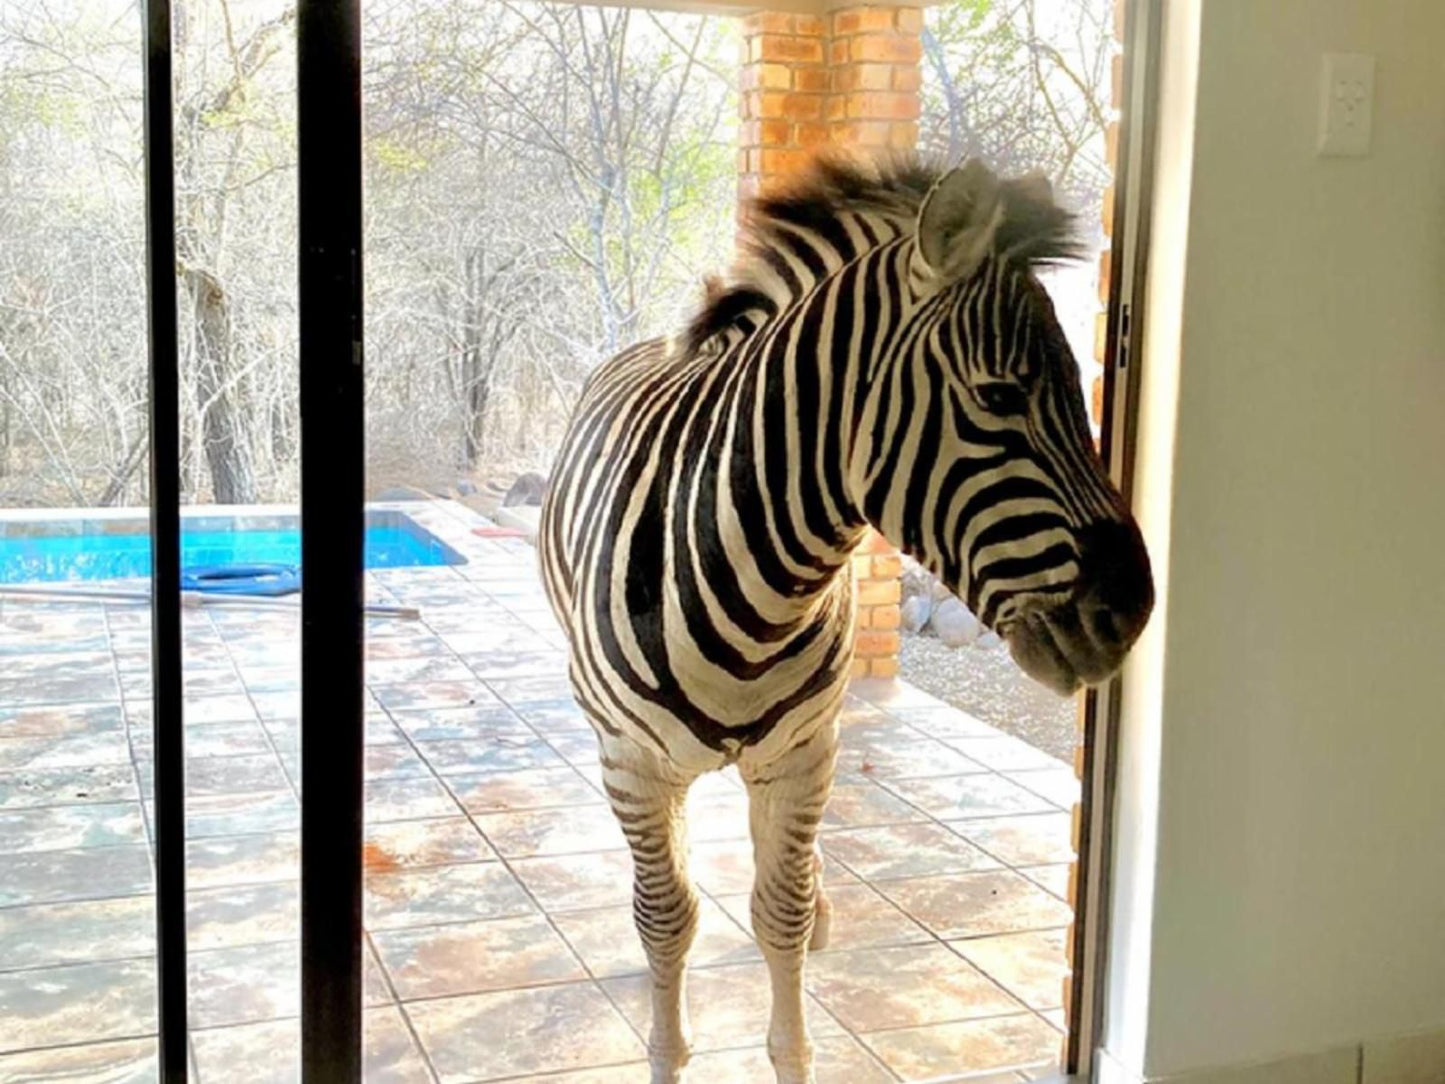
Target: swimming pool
49,551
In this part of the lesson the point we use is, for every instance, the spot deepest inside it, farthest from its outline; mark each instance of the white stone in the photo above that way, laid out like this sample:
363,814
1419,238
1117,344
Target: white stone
954,624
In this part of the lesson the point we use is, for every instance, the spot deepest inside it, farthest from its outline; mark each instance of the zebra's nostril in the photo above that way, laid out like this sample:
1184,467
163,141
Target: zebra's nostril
1116,593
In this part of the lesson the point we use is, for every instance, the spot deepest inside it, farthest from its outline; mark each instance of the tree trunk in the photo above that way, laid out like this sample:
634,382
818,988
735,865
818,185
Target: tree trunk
224,434
477,363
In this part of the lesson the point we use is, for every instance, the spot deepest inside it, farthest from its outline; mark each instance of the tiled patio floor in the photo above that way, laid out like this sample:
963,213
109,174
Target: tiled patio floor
499,941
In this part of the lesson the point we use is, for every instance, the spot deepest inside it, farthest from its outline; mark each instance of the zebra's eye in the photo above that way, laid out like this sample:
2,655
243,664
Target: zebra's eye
1002,398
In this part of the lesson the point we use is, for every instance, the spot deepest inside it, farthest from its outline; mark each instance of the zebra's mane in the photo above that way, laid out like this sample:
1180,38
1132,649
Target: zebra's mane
1033,230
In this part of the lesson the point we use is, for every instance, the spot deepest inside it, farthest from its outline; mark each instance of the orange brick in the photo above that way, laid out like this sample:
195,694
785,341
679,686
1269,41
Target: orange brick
872,76
886,667
1108,215
887,566
1076,826
783,161
804,106
903,135
860,668
766,103
864,133
774,133
811,24
812,80
787,47
876,543
1096,400
838,51
1120,20
1116,81
907,78
748,187
750,134
1073,896
890,49
879,592
771,22
755,161
1111,148
885,617
910,20
1101,337
862,566
774,76
874,19
847,22
1079,761
811,134
882,105
863,617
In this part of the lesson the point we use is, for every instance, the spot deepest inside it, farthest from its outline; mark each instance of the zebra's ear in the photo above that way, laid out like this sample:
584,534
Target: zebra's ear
958,221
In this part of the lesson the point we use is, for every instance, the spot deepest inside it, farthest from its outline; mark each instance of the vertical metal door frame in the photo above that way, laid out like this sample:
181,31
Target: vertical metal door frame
165,524
329,166
1133,184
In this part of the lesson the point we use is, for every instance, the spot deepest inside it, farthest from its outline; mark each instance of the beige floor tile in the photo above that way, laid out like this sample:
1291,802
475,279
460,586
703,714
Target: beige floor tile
901,987
728,1006
862,803
977,904
607,940
838,1060
77,1003
579,881
516,1032
436,841
470,957
1022,841
861,918
1031,966
1054,878
527,788
999,1042
904,850
543,832
128,1062
956,796
426,897
268,1053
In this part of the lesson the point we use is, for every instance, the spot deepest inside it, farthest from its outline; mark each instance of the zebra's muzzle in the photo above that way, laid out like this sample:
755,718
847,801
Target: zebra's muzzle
1084,639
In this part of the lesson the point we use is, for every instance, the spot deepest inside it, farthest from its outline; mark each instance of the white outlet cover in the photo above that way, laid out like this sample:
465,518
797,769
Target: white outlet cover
1347,99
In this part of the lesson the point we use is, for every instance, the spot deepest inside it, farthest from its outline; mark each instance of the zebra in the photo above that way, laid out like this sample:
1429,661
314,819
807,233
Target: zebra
882,355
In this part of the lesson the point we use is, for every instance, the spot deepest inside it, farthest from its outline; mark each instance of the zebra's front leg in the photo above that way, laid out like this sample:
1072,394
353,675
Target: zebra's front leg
786,800
648,798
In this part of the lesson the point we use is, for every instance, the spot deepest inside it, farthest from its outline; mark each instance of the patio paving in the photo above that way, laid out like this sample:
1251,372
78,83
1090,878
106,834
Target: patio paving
499,937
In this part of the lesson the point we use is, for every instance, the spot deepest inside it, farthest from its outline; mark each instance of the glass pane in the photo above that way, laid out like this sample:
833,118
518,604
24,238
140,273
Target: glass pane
77,920
546,185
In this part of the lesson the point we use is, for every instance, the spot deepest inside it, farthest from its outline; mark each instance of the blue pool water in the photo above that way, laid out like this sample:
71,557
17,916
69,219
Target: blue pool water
50,558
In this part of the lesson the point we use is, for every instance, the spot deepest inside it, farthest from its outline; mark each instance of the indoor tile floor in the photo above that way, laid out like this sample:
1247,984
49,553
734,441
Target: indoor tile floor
499,938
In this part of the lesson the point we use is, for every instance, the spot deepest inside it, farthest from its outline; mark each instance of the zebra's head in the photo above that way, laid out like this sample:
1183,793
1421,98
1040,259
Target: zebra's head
983,466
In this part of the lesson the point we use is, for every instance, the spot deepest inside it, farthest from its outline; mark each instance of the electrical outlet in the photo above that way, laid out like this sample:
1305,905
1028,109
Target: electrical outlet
1347,96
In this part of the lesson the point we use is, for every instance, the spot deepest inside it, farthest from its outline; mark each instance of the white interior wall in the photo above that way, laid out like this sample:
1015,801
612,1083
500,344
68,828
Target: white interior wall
1285,717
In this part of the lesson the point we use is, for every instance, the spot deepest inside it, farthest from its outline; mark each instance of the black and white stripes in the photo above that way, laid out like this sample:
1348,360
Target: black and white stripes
883,356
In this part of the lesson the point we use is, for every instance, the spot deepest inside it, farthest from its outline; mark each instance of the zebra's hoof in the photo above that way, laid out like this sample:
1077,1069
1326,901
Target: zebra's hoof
822,924
668,1066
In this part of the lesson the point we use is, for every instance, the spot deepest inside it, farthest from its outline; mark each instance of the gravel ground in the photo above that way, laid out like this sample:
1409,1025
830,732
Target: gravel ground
985,682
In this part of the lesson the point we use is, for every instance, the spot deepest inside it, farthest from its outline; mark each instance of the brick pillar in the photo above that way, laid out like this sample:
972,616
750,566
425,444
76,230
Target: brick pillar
847,79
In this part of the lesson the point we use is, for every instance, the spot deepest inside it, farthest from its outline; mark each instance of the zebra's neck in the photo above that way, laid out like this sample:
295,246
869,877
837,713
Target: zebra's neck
805,398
